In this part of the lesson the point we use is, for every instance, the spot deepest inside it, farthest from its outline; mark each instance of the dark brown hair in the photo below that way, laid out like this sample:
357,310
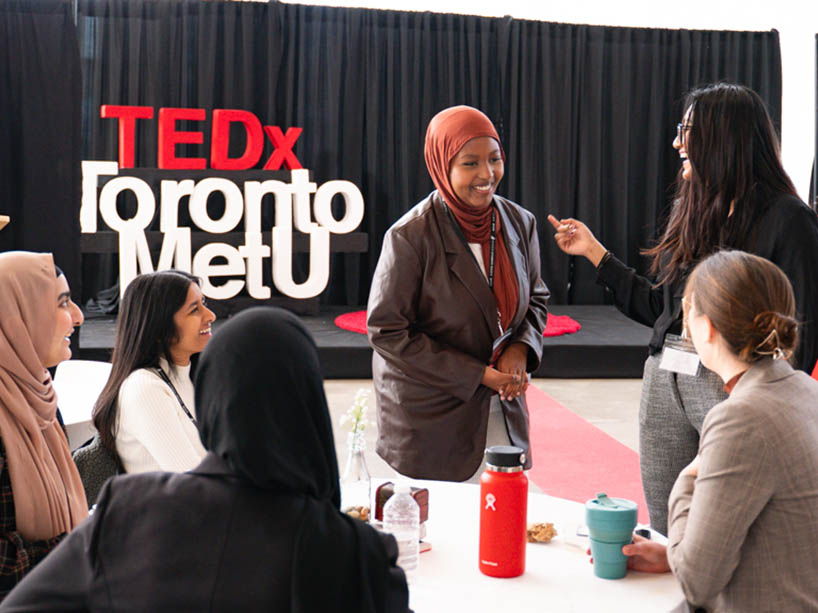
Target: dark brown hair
750,302
733,153
145,331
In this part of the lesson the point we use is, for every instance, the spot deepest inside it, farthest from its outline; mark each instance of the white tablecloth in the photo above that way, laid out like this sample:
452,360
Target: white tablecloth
78,384
558,575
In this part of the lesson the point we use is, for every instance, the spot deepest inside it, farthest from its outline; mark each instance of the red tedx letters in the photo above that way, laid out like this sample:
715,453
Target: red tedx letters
169,136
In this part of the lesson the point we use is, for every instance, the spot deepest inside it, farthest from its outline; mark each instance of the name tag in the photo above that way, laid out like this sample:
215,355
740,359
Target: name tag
679,356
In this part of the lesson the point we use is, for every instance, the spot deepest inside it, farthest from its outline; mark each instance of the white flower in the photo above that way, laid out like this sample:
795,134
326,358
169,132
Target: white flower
355,419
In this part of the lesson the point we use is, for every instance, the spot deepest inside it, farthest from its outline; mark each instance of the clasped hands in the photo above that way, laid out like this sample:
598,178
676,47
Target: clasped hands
508,376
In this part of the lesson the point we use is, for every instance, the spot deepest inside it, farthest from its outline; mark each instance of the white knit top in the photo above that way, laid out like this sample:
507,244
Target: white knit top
154,432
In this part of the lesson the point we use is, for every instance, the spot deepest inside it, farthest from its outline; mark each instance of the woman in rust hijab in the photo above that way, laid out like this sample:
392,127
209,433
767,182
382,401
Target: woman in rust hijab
41,495
456,311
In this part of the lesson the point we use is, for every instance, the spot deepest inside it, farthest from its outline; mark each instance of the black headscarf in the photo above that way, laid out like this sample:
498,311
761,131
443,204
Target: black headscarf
262,410
261,407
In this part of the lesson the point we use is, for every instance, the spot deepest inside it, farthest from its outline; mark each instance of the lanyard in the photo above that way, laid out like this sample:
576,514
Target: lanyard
166,379
492,240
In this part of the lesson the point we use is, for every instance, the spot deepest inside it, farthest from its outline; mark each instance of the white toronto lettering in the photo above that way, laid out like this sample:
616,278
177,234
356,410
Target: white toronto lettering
145,204
170,194
91,171
233,205
292,208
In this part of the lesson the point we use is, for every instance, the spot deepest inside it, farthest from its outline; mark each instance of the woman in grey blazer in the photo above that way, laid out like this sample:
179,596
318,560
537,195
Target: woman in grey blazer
743,521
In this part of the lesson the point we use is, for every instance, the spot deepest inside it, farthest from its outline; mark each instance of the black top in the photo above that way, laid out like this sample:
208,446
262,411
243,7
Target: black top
786,234
207,541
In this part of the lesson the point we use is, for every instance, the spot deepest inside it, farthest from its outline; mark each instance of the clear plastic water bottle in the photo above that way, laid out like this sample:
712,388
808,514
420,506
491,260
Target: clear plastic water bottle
401,518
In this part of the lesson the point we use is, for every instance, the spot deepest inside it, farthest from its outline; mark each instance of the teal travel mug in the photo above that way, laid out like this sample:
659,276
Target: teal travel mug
610,526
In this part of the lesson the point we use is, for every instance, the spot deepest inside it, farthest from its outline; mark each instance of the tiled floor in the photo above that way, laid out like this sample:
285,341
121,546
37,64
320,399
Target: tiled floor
610,404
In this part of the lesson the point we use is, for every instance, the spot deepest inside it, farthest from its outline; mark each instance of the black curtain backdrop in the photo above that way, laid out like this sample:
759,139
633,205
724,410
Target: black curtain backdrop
590,115
813,182
587,114
364,84
40,131
172,53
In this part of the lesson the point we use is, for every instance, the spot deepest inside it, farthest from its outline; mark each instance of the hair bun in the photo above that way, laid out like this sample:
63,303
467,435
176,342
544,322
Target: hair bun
775,334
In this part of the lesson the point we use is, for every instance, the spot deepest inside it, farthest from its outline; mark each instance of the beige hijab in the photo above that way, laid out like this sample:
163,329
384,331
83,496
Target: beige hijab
48,494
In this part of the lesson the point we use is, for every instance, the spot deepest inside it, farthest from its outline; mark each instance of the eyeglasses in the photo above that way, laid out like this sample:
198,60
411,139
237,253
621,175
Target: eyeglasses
687,305
681,130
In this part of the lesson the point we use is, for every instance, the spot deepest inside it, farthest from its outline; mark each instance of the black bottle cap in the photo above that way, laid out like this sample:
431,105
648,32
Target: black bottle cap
505,456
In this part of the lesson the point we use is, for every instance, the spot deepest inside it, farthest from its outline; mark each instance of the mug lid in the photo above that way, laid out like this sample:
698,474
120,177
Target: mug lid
603,505
506,456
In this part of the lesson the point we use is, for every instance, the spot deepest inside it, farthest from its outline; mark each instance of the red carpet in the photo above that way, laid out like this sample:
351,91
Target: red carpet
574,459
557,324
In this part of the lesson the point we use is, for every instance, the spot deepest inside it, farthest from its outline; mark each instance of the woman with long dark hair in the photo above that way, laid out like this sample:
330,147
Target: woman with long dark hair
41,495
732,192
145,414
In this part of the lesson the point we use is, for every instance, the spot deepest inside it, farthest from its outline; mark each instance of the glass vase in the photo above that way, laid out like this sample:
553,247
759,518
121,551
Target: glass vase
355,481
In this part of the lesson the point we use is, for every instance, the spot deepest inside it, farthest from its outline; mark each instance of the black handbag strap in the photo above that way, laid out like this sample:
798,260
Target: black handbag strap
166,379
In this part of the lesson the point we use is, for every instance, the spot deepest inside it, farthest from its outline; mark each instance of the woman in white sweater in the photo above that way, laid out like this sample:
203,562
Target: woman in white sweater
145,414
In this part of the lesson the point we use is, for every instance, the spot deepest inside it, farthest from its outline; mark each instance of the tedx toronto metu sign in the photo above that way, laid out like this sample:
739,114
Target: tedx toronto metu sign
299,205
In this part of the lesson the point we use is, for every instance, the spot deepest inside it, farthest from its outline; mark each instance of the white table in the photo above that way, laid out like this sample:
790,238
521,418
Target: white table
558,575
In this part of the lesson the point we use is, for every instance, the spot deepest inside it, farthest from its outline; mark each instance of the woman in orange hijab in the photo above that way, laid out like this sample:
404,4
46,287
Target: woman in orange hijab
41,495
456,311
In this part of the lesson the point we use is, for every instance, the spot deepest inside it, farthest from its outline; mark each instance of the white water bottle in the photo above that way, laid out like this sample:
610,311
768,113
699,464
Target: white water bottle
401,518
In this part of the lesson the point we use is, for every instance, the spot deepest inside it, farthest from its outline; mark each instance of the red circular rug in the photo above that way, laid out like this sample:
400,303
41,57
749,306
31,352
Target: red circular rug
354,322
557,324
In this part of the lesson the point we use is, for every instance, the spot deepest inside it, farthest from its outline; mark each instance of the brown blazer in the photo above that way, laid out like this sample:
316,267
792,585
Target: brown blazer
432,321
743,534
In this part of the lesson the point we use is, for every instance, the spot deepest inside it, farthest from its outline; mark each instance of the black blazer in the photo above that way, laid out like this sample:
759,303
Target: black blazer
786,233
207,541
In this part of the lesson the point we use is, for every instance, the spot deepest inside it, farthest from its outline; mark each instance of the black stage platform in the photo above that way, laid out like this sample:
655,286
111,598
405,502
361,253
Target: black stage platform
609,345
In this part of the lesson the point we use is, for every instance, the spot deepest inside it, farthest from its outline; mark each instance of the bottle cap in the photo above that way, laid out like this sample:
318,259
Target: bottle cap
505,456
